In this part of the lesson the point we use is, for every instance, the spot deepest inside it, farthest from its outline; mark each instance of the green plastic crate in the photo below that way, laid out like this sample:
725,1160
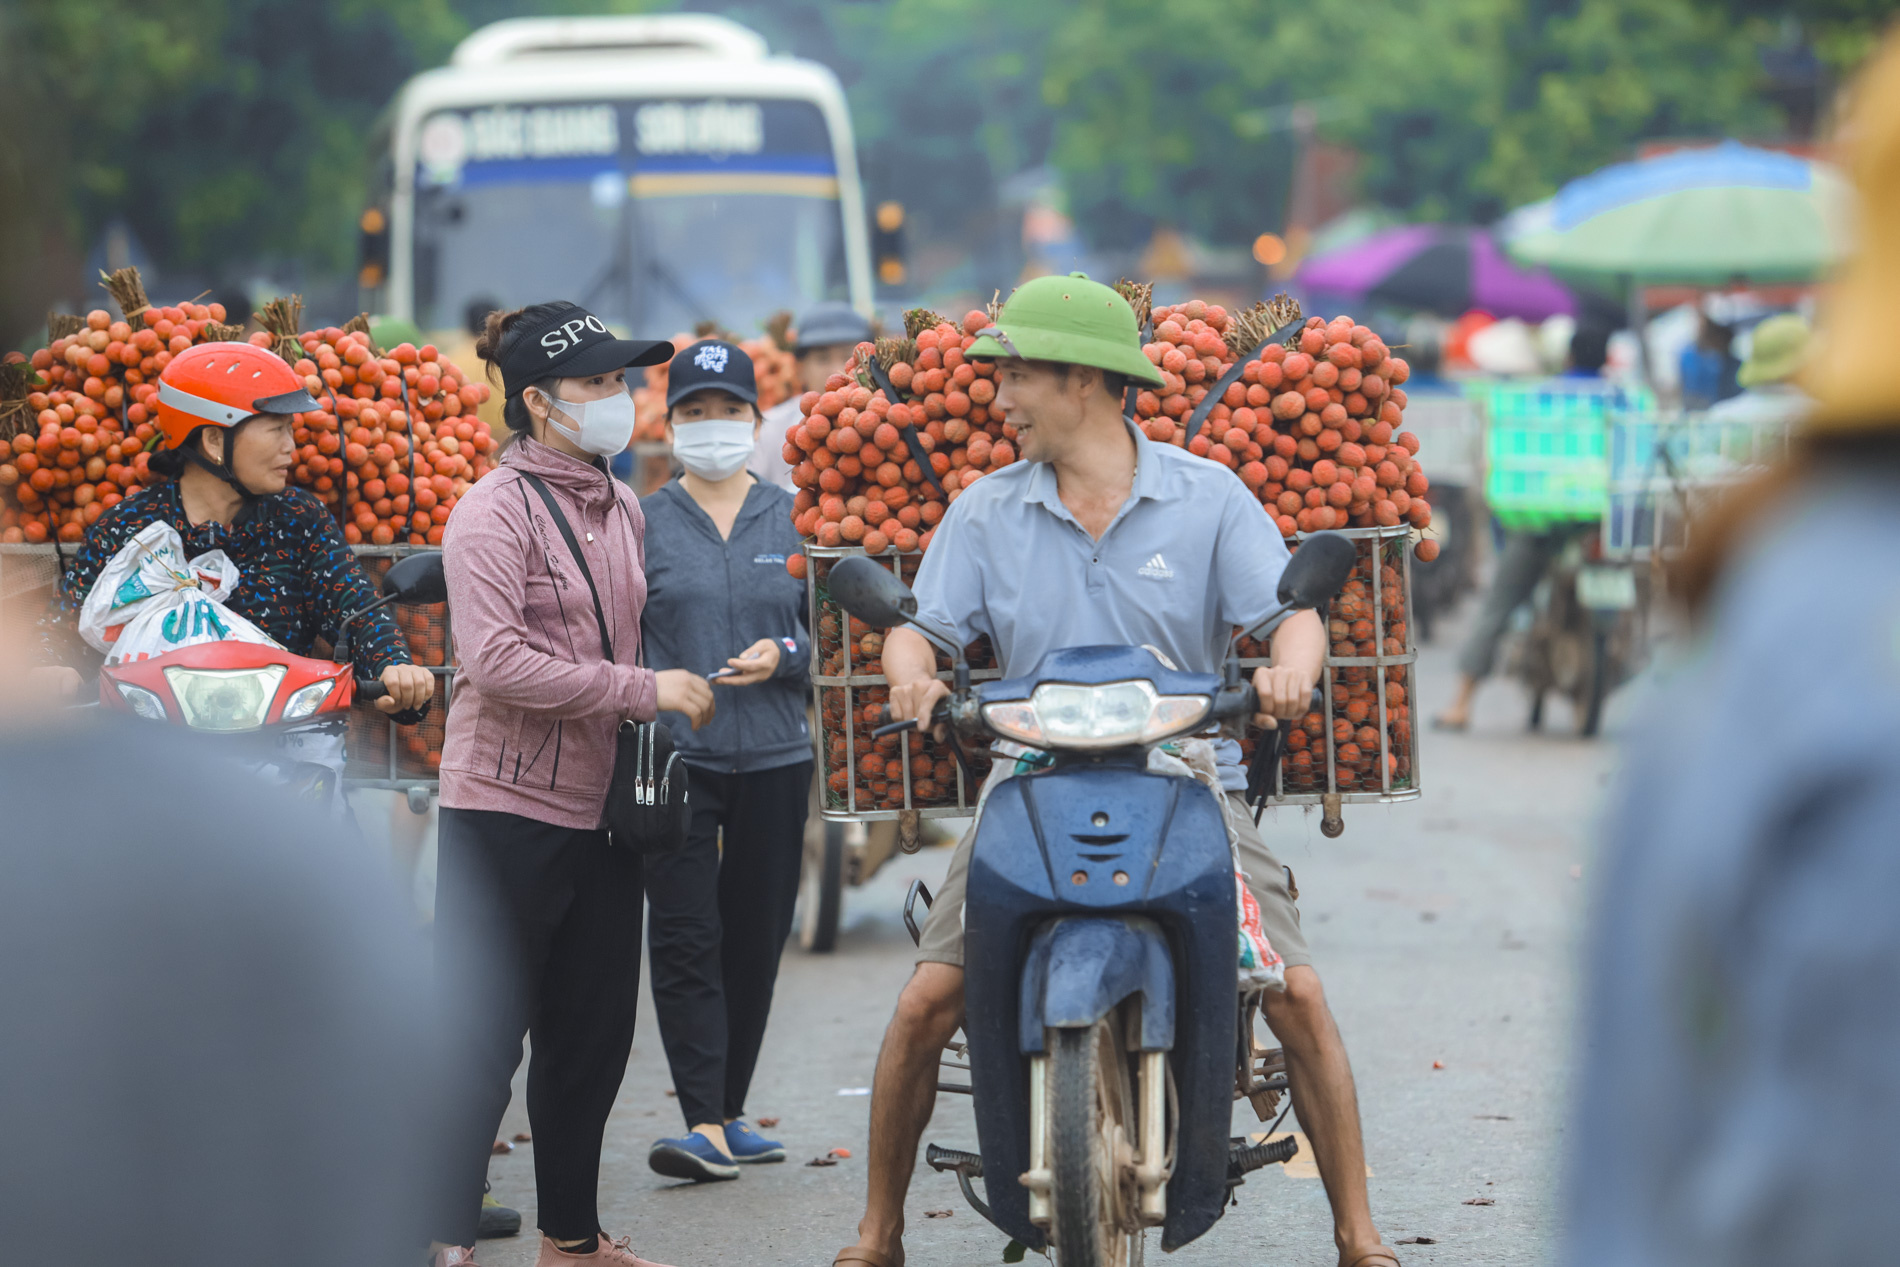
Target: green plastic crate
1547,457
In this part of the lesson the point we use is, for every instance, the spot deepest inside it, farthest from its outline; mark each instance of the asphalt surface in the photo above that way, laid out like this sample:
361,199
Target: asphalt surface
1445,932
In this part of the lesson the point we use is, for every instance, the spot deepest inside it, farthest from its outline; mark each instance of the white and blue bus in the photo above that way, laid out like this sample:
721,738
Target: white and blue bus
662,171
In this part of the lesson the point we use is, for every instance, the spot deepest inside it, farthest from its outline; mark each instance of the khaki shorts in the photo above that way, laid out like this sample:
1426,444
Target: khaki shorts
1267,880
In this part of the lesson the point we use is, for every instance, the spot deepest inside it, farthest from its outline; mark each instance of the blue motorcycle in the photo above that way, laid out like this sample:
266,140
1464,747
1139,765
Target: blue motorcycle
1108,1034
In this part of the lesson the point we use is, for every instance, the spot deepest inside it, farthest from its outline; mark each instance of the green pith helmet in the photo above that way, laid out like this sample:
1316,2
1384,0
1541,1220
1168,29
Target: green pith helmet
1781,344
1073,320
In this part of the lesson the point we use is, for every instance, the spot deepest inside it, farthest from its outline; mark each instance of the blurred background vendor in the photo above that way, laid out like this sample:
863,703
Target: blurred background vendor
827,335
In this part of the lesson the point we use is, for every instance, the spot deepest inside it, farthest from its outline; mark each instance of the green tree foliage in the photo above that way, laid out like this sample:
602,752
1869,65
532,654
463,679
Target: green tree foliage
234,131
1514,97
225,133
1183,112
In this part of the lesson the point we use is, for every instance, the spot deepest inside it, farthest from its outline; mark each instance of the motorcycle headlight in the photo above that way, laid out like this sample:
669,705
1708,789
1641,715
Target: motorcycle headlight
141,701
225,699
1113,715
307,700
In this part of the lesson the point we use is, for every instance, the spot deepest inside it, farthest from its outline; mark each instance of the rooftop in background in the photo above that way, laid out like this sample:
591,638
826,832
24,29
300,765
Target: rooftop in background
516,39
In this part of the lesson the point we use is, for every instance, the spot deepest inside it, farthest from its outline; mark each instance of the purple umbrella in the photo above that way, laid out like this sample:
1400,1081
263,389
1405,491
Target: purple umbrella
1447,269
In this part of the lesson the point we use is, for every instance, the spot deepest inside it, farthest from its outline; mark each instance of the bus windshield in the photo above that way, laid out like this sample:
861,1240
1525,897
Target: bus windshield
655,215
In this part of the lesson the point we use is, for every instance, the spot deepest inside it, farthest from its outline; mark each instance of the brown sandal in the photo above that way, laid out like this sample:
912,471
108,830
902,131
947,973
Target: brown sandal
871,1258
1377,1257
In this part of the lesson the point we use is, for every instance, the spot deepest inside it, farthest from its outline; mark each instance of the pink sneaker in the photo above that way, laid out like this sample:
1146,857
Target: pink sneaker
605,1253
453,1256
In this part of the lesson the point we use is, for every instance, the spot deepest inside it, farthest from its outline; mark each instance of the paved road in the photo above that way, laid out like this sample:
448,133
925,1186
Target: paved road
1444,930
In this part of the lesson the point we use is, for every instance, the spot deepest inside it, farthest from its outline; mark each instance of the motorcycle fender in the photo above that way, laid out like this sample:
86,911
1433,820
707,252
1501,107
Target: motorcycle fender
1035,833
1078,970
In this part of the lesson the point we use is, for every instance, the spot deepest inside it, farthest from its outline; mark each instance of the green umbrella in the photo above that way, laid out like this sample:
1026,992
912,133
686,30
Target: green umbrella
1703,217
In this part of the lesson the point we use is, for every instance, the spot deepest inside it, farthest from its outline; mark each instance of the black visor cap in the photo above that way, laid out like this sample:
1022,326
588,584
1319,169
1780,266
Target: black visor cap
572,343
297,402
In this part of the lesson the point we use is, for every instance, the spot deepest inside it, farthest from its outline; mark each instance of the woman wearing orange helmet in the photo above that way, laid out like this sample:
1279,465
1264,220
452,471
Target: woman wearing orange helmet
225,411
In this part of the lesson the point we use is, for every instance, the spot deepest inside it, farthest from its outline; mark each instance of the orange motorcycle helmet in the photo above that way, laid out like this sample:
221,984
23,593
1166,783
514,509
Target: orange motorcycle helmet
223,385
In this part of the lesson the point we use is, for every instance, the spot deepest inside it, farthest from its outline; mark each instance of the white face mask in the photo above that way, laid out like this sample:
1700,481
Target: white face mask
713,450
603,427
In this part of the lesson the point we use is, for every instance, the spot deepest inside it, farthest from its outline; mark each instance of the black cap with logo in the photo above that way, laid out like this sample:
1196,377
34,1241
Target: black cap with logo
571,342
711,363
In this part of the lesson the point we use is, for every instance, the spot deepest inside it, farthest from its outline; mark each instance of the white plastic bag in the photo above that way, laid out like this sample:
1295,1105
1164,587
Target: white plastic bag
150,600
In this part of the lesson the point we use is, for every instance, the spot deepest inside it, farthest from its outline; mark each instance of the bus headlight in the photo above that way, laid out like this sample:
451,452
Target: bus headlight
1113,715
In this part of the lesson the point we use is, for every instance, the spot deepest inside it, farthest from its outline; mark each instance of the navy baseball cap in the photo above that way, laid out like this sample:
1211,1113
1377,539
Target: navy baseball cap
571,342
711,363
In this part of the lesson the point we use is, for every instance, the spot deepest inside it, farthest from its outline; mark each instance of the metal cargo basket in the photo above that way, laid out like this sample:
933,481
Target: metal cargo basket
1363,747
382,754
1666,468
868,779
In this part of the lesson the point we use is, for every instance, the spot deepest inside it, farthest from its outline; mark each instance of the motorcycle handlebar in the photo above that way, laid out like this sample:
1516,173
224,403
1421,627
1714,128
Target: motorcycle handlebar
372,688
938,716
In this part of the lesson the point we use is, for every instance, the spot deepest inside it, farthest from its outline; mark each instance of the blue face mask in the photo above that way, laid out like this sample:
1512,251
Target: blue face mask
713,450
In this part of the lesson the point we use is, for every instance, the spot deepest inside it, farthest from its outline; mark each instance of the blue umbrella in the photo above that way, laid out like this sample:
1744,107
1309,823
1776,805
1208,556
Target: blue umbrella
1693,217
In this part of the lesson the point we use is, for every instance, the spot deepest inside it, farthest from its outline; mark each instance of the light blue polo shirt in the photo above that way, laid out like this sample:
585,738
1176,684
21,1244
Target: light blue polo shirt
1191,555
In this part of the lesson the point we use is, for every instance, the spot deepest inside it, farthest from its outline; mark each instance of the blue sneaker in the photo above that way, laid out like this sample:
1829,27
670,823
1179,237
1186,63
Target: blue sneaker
691,1156
749,1147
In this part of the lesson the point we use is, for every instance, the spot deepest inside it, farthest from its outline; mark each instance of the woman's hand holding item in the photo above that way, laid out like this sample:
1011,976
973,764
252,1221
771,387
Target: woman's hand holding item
683,691
755,664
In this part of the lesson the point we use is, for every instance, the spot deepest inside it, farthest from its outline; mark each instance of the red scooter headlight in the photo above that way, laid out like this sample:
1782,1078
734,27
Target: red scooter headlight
225,699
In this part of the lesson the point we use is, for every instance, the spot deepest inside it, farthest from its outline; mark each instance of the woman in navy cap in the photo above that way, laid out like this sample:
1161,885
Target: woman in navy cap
721,604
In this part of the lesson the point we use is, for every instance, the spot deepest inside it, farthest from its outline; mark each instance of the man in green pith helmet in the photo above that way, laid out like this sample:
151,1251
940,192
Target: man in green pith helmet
1102,536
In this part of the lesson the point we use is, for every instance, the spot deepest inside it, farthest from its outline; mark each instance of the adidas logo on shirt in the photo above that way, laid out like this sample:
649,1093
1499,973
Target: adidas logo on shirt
1156,569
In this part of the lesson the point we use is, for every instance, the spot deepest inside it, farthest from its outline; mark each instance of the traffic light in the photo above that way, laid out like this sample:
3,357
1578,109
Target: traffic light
372,249
887,244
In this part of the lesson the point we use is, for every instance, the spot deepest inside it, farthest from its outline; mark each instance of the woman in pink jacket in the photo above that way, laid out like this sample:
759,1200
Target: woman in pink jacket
537,914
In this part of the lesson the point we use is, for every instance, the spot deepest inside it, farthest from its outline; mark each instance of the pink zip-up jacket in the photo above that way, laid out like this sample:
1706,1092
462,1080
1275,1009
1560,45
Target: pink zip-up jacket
531,727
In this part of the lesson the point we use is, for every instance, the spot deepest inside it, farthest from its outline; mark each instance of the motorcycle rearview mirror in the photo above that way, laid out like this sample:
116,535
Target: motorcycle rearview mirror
1318,570
871,593
417,579
878,598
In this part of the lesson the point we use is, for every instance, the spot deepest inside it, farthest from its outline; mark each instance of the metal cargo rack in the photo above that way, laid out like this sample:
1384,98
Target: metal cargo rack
839,676
382,755
1397,763
1666,466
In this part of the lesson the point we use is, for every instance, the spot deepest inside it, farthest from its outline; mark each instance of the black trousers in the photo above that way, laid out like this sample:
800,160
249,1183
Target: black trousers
537,933
718,927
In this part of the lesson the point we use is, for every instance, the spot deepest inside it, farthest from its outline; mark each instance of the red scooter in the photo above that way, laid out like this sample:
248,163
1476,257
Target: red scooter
291,711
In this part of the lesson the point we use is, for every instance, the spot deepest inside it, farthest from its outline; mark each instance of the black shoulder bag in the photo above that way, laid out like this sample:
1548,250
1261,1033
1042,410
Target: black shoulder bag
646,797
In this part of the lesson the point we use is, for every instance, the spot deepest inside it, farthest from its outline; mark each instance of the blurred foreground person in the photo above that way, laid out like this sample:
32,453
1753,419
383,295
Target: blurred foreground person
213,1014
1738,1103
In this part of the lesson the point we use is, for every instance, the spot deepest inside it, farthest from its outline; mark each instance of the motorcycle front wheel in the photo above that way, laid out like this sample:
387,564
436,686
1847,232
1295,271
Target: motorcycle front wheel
1092,1147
